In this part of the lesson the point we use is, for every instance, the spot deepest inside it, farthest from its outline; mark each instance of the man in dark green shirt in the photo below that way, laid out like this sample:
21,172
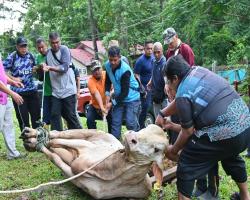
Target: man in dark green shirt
47,91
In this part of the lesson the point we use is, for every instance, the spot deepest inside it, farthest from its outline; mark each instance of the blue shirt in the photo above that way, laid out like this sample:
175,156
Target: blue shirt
158,82
144,67
207,102
21,68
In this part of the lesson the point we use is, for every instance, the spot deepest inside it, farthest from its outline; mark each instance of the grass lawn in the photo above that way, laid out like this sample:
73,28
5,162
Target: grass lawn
36,169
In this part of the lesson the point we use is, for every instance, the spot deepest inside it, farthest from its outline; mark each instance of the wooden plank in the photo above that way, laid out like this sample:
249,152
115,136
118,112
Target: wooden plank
167,175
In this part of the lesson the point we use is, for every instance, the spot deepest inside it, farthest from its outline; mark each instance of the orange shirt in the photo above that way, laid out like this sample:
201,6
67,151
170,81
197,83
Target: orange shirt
97,85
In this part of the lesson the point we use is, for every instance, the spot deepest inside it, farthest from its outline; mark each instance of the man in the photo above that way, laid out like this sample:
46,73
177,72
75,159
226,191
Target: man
115,43
6,121
63,84
215,126
42,48
156,83
126,97
97,108
21,63
176,47
143,71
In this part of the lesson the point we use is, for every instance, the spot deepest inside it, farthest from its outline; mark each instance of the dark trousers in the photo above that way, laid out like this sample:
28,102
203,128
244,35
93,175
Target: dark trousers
145,104
94,114
47,109
29,109
65,108
200,156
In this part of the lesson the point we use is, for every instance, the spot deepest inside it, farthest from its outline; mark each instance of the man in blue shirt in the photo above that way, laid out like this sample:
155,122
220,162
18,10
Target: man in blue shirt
20,65
126,97
143,71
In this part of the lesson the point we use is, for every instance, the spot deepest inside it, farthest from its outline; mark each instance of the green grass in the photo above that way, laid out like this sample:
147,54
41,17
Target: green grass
36,169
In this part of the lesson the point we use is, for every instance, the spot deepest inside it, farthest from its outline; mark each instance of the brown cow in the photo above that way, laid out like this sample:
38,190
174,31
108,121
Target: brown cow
123,174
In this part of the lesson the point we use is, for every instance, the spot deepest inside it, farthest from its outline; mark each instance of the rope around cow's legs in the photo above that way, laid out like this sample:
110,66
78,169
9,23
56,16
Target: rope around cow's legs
56,182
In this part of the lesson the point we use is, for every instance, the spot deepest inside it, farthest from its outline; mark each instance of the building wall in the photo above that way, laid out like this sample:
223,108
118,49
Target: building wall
82,68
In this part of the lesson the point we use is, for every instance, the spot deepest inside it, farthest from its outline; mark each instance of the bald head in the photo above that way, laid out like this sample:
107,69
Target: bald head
158,50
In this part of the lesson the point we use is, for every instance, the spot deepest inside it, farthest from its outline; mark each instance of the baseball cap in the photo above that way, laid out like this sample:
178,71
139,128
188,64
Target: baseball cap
21,41
95,64
168,35
113,43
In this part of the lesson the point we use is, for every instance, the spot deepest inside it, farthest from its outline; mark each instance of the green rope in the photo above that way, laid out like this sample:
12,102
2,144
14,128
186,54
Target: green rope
42,138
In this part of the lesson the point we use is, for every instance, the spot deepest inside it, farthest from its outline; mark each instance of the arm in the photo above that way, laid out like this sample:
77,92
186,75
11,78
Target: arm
149,85
183,137
125,83
107,88
17,98
65,62
100,102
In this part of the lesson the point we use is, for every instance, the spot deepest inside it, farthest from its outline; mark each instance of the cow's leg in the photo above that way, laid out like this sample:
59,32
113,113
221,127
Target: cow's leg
74,134
73,143
56,159
66,155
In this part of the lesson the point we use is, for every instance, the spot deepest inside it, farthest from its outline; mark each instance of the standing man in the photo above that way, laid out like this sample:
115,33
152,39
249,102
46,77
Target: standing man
20,64
42,48
126,96
156,83
63,84
143,72
6,121
175,47
97,108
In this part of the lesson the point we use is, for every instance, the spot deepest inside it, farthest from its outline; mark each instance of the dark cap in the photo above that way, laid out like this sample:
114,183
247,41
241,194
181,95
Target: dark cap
95,64
21,41
168,35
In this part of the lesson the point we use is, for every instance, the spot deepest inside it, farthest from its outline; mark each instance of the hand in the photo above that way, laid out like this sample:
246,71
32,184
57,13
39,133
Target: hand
104,111
159,121
17,79
171,153
46,68
149,86
17,98
167,123
17,84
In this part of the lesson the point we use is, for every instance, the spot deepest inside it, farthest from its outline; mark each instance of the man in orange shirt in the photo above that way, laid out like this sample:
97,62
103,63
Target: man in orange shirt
97,108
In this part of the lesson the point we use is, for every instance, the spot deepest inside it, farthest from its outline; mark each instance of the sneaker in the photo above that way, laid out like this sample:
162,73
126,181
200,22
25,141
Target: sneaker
20,156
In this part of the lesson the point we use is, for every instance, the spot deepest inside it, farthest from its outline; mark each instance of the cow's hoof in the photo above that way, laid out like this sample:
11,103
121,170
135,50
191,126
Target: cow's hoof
42,138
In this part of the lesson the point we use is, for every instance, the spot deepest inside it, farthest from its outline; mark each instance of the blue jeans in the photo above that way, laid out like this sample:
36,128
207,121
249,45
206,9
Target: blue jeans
145,104
129,110
94,114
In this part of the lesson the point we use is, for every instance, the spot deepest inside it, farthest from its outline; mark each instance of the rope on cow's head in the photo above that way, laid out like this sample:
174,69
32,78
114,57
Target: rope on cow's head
58,182
42,138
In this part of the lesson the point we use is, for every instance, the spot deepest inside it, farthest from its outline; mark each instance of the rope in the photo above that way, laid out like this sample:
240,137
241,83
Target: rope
56,182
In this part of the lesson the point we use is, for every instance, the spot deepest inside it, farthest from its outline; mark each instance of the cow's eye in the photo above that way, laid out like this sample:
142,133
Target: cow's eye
133,141
156,150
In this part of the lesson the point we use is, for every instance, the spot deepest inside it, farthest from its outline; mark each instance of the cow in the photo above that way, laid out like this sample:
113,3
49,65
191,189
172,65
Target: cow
123,169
